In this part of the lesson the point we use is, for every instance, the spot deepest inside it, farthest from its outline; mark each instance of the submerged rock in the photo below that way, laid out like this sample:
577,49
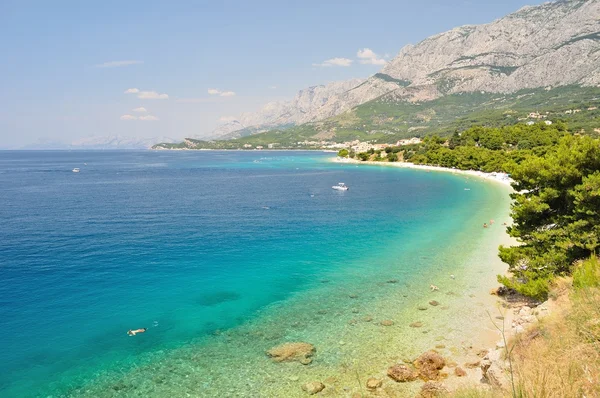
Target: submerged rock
434,303
422,308
432,390
429,365
313,387
373,383
299,351
416,324
368,318
401,373
386,322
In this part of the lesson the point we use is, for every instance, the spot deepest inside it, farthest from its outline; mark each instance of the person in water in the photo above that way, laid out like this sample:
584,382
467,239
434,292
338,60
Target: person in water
136,331
485,225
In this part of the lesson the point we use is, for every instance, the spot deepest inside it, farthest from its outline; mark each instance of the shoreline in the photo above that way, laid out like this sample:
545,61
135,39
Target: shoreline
501,178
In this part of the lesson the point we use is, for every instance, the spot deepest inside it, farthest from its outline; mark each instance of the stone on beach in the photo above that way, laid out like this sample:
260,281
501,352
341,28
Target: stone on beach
460,372
313,387
402,373
429,365
298,351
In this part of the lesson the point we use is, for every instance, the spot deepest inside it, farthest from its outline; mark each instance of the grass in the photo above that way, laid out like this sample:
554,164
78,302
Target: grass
559,357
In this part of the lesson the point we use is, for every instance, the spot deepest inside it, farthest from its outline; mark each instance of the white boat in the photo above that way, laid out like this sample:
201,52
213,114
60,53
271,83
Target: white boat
340,187
76,170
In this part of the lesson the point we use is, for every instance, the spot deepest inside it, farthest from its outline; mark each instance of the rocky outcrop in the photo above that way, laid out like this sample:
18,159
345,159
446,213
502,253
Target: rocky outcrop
552,44
299,351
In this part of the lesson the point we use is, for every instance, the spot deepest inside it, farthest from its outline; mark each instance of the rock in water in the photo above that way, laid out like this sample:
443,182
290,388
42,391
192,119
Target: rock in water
432,390
373,383
429,365
387,322
299,351
401,373
434,303
313,387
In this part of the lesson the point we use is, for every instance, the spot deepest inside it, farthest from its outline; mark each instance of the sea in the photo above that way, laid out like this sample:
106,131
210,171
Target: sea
222,255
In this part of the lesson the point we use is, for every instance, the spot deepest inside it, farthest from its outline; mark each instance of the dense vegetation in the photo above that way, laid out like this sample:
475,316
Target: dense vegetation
478,148
556,214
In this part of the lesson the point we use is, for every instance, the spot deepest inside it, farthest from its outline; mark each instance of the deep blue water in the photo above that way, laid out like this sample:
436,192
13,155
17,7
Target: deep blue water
184,243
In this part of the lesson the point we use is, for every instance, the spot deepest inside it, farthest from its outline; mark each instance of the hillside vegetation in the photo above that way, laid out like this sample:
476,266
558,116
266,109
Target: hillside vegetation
388,119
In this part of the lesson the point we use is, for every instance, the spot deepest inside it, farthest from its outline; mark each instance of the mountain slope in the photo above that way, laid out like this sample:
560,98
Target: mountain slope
304,107
554,44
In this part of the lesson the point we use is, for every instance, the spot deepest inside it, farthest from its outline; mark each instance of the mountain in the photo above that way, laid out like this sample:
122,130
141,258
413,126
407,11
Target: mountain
304,107
553,44
105,142
544,57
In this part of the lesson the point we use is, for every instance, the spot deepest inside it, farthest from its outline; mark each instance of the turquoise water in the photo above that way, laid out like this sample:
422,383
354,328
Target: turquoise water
221,255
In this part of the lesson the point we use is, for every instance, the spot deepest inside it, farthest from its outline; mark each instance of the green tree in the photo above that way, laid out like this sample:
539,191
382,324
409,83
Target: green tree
364,156
556,213
343,153
392,157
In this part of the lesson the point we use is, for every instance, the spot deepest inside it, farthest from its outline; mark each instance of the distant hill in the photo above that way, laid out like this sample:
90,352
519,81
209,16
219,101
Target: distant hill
104,142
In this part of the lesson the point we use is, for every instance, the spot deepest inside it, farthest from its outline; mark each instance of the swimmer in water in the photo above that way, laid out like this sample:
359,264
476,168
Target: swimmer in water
131,332
484,225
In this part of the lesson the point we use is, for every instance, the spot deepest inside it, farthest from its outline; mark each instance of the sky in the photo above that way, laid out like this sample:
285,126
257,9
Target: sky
76,69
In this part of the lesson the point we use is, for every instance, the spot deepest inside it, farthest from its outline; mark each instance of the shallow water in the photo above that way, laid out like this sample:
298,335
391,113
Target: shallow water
223,255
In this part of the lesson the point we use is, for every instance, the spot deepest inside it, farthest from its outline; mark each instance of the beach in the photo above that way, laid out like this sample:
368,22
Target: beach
502,178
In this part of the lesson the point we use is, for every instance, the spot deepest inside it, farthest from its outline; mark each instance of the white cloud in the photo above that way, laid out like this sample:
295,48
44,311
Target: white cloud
149,118
214,91
141,109
146,94
116,64
367,56
335,62
128,117
152,95
273,87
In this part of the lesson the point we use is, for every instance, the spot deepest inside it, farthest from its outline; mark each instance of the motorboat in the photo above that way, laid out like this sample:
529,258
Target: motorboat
340,187
76,170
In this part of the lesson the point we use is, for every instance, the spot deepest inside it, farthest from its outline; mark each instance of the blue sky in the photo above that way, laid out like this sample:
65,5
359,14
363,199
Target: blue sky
67,64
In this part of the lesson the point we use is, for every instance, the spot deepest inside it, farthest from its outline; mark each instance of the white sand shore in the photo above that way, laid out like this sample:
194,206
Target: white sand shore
502,178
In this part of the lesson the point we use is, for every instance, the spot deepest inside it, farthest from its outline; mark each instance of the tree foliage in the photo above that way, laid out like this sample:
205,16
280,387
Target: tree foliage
556,214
